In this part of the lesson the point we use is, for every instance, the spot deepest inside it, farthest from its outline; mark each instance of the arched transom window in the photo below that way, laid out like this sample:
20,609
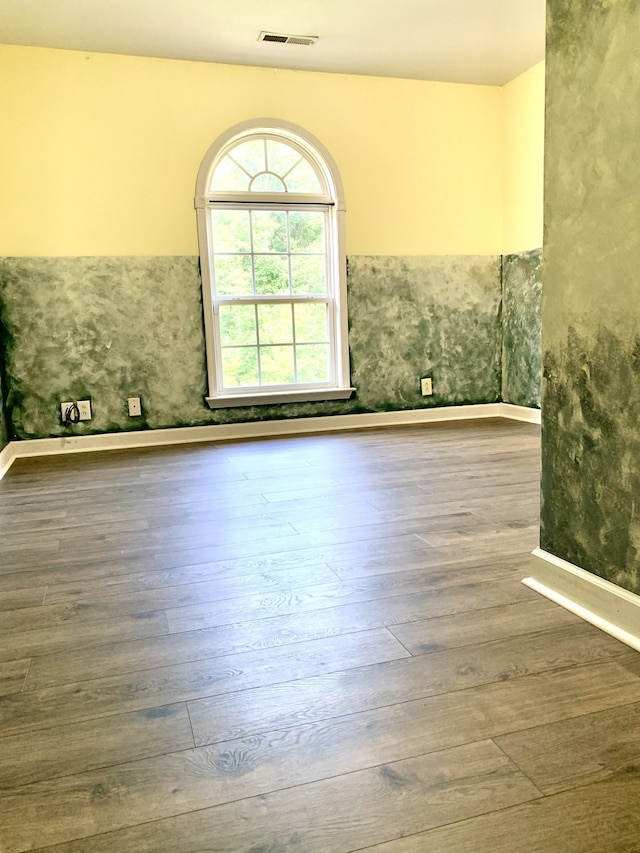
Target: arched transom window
270,217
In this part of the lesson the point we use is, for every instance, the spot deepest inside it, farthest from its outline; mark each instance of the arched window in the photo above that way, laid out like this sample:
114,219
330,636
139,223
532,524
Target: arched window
271,232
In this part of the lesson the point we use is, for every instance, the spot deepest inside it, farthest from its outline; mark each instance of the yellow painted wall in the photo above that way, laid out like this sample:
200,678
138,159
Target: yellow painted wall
523,160
99,153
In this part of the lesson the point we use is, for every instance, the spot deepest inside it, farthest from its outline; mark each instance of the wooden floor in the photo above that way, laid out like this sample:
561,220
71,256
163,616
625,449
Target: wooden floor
305,645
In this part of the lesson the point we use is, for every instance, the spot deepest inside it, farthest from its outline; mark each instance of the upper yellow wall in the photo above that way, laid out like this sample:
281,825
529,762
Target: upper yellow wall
99,153
523,160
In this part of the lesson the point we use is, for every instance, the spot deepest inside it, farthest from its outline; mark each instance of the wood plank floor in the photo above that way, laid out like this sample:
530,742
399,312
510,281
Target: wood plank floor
313,644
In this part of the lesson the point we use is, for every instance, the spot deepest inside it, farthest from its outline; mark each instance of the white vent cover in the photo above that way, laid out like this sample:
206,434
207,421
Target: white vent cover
283,38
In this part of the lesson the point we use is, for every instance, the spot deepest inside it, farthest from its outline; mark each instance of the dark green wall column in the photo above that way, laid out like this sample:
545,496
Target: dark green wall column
591,296
4,423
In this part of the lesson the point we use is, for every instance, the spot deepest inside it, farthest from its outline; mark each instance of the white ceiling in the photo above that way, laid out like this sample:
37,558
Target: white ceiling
459,41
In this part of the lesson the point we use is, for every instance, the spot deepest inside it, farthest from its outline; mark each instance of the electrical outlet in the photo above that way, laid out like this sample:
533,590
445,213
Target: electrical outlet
135,409
426,386
84,407
64,407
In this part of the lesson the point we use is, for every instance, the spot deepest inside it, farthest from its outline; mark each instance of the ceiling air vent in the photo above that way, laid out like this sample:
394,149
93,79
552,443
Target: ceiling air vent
283,38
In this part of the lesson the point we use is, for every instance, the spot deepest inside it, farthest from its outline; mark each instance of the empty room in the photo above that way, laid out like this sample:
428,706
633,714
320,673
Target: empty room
320,384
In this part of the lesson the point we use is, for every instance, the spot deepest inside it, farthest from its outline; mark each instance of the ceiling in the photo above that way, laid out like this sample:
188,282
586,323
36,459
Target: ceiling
458,41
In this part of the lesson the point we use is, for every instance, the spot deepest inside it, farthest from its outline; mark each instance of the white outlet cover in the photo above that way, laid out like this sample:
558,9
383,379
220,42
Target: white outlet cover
84,407
426,386
135,409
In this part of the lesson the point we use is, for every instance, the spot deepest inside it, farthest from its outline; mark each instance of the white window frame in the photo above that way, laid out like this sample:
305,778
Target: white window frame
334,207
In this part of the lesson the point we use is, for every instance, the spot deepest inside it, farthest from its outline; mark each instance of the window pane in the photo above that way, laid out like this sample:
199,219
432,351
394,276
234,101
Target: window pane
308,274
269,230
233,275
281,158
311,323
275,323
240,367
228,177
276,364
230,230
250,155
313,363
272,274
237,325
303,179
267,183
306,232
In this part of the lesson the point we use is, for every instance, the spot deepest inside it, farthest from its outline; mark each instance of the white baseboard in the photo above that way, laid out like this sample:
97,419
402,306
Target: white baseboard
254,429
605,605
7,455
520,413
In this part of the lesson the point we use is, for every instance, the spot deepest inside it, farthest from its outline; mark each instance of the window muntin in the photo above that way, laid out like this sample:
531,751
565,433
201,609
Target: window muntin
268,252
270,224
274,344
272,296
266,165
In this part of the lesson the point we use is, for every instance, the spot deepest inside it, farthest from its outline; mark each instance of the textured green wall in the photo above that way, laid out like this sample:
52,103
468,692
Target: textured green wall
591,309
413,317
110,328
521,328
4,426
4,423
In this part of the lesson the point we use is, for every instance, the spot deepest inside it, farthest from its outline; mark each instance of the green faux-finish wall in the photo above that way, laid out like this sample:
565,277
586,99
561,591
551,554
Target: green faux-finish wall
412,317
4,430
4,426
521,328
591,310
109,328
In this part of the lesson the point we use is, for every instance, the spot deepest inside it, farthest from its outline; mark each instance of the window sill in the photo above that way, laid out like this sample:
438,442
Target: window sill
272,398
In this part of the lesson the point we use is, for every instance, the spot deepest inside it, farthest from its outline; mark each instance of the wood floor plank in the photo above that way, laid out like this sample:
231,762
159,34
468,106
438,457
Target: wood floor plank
177,536
441,561
480,626
63,533
12,675
419,792
79,747
225,579
307,546
96,567
130,498
367,533
47,616
132,516
411,495
307,552
153,594
449,487
596,818
48,669
578,752
37,709
28,515
440,601
485,534
26,573
334,519
388,733
82,635
375,686
136,513
16,598
459,488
